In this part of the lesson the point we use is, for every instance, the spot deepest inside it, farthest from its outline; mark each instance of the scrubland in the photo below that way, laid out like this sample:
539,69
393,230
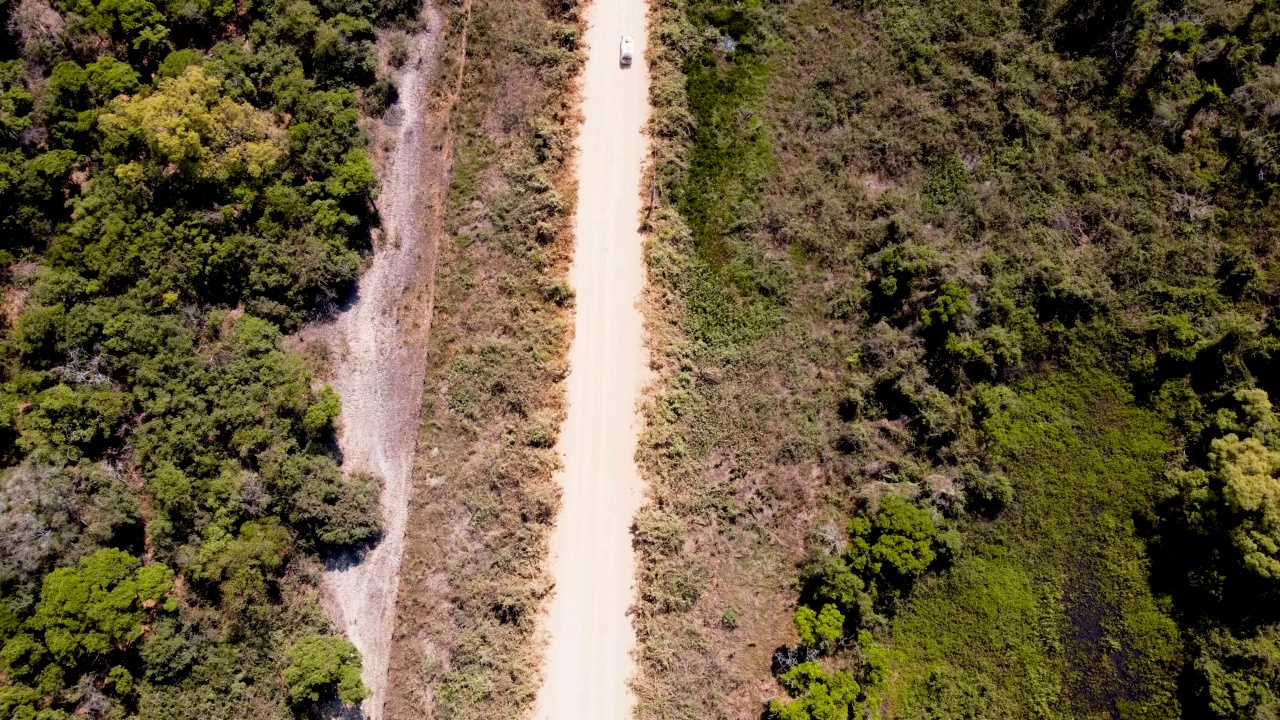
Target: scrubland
964,313
474,579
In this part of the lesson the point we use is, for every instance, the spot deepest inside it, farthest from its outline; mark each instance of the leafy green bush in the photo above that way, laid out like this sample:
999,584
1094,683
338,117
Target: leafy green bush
100,605
1238,493
986,493
324,666
895,546
820,629
819,695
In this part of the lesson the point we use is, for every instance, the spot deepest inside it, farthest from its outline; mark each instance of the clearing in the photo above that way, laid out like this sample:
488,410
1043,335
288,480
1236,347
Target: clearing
378,351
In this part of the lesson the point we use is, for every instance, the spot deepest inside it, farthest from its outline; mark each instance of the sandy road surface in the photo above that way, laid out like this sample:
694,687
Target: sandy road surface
588,662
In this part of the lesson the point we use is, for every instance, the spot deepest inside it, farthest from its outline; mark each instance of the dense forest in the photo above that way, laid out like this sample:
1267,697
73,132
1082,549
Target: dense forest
182,183
969,342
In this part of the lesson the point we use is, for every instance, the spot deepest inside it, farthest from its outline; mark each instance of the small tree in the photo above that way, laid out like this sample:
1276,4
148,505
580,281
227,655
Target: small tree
950,304
190,124
896,544
321,414
1239,492
829,580
819,695
820,629
1247,470
321,666
99,605
986,493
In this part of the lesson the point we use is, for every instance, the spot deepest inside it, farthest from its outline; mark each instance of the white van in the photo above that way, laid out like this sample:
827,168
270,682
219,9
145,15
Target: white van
626,50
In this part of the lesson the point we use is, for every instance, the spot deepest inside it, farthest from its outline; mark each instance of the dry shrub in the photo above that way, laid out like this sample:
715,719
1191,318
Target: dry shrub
39,29
474,579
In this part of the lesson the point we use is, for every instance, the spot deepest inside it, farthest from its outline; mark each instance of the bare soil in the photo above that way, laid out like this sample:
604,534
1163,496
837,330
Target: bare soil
376,347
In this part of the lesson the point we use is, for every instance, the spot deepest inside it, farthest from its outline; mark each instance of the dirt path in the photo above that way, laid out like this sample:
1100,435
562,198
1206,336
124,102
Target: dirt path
379,350
588,663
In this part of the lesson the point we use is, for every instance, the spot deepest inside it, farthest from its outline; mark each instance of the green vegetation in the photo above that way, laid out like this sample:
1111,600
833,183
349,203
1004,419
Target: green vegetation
180,186
321,667
1050,611
967,323
98,605
821,695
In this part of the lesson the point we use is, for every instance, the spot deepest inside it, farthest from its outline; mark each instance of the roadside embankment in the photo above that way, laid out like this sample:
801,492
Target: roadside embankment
474,578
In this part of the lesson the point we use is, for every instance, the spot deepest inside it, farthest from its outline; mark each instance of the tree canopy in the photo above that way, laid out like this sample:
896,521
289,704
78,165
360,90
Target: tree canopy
319,666
181,185
100,605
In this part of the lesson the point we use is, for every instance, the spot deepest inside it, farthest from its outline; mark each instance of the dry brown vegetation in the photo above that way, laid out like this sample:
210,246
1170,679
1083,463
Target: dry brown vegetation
474,579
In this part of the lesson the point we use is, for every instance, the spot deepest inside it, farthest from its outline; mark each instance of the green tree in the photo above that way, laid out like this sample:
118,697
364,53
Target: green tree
1238,493
21,656
20,702
66,96
69,420
320,416
986,493
819,695
820,629
109,78
1247,471
320,666
135,22
1241,676
830,581
950,304
99,605
895,544
15,101
900,267
189,123
875,663
260,545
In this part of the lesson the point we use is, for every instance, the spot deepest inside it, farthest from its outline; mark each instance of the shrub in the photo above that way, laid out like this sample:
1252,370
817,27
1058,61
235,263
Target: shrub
398,51
99,605
829,581
895,544
986,493
821,629
729,619
819,695
320,667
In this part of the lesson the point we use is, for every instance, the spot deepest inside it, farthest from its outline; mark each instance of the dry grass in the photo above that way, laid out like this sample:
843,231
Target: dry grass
743,480
721,534
474,580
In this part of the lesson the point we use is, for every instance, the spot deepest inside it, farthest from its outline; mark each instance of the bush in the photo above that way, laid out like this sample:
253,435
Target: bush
100,605
986,493
819,695
821,629
320,667
398,51
829,581
895,544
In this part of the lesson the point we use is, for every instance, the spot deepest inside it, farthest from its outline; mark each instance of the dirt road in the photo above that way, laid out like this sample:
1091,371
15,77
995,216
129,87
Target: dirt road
588,662
379,348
